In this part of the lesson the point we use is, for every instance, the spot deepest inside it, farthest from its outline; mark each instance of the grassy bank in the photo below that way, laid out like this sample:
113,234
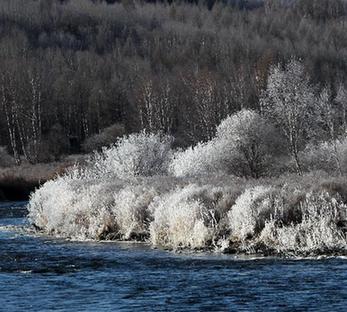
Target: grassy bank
17,182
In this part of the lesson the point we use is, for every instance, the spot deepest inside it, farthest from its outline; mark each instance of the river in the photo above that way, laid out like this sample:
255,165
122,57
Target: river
39,273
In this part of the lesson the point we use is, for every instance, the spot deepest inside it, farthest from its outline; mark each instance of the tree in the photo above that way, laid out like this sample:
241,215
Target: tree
328,113
10,115
288,101
207,107
252,142
341,101
243,146
156,106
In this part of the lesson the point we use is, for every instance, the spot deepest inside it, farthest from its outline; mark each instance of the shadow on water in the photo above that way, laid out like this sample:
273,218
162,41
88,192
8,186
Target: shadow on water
16,189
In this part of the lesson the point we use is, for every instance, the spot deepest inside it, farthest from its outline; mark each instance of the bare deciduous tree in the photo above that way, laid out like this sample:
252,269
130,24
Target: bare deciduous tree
288,101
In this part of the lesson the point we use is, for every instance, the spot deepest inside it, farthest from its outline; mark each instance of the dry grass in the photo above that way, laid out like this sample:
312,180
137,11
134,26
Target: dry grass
17,182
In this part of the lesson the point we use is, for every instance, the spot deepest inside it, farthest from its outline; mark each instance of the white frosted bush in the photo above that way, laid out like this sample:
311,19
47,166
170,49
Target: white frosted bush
71,208
181,219
130,210
202,159
260,217
140,154
89,216
248,141
242,146
326,156
317,232
93,209
50,203
246,213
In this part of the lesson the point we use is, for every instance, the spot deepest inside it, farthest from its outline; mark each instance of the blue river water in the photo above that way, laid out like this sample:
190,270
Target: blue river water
38,273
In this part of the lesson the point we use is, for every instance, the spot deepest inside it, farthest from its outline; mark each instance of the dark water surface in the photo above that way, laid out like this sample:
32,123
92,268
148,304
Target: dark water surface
43,274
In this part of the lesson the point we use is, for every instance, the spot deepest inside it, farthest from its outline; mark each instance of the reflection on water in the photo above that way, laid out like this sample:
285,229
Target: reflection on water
40,273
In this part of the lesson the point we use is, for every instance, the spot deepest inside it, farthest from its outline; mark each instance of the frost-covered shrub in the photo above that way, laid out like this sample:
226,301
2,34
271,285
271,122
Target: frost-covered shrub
130,210
89,216
202,159
274,219
243,146
317,232
258,205
71,208
250,140
182,219
328,156
140,154
48,203
249,211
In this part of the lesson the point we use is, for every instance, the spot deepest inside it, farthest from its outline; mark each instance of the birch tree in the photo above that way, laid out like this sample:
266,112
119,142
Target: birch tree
208,106
328,114
9,113
34,117
341,101
288,102
156,106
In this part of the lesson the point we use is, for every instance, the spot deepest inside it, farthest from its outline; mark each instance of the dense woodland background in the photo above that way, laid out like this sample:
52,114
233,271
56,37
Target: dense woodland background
75,75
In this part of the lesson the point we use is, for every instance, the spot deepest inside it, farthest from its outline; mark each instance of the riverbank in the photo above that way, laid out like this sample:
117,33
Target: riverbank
17,182
286,216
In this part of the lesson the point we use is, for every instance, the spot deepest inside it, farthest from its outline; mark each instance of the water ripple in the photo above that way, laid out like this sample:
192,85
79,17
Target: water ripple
40,273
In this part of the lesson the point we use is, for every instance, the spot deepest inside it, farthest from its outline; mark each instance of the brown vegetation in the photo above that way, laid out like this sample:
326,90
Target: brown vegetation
17,182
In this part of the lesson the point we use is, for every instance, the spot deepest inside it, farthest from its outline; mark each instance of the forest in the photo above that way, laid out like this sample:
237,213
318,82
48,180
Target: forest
77,75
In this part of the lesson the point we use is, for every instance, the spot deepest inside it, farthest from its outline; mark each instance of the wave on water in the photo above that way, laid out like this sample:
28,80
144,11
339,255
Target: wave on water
140,189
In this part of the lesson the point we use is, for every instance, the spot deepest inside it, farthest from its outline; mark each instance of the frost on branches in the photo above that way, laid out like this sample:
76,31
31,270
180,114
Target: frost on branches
243,146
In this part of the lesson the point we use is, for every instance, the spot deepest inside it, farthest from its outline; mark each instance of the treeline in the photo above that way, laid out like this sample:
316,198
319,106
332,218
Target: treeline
76,74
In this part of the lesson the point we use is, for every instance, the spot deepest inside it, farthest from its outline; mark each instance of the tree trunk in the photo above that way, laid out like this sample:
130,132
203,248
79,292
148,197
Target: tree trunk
297,162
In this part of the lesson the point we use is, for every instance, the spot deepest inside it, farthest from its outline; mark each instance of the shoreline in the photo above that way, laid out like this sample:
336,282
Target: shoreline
18,182
234,250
